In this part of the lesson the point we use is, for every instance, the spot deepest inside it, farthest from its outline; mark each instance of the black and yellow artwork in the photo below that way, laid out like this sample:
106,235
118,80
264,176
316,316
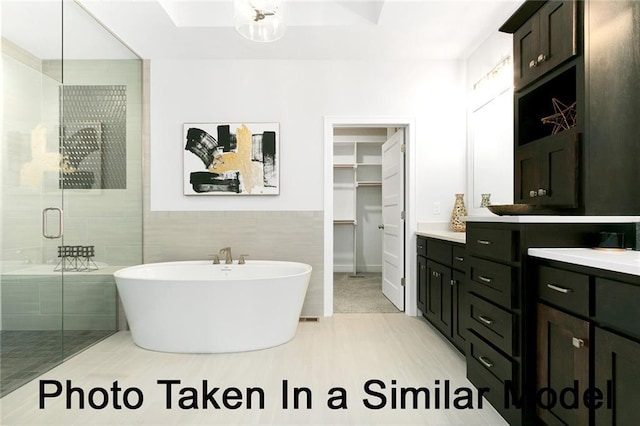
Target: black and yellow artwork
231,159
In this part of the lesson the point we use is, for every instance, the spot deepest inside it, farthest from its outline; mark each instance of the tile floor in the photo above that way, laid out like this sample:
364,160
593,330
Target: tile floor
25,355
344,351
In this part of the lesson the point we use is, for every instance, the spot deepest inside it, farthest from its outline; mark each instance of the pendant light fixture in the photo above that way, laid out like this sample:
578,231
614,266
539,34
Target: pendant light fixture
259,20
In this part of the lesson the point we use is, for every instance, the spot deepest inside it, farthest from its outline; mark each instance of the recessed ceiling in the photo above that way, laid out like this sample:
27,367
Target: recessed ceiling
316,29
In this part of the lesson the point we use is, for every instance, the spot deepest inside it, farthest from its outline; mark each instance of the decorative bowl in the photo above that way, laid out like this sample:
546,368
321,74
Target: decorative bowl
510,209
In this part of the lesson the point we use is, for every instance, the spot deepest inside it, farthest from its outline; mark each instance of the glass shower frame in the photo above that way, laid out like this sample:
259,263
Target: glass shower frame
50,307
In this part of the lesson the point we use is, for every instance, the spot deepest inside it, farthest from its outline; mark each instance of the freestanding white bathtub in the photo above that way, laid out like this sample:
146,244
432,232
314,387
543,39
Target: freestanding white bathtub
198,307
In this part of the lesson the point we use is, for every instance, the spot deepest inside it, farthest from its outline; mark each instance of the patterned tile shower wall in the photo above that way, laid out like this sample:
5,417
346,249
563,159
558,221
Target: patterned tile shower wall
94,133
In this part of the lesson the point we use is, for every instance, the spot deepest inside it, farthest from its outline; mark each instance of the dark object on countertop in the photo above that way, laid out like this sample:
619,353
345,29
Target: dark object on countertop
510,209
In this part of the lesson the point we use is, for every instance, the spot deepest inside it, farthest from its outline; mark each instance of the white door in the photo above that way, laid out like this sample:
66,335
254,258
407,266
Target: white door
392,219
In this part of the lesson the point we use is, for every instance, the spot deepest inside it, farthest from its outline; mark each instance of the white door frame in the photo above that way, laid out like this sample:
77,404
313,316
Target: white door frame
408,123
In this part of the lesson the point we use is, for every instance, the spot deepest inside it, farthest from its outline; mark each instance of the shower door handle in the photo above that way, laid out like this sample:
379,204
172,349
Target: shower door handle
45,231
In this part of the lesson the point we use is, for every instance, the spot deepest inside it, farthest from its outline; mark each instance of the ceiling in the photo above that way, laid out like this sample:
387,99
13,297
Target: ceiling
316,29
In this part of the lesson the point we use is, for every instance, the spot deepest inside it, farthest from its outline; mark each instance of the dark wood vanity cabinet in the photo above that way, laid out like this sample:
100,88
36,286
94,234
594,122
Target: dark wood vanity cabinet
494,314
575,66
617,372
588,339
563,363
441,281
502,313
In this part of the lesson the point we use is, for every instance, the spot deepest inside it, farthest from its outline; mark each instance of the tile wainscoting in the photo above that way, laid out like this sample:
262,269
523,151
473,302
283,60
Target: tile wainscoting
263,235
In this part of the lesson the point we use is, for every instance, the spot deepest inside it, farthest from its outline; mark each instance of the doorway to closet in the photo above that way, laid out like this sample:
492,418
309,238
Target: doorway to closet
368,219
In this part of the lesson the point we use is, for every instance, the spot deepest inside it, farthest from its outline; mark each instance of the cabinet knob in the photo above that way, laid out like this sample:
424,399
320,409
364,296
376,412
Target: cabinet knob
459,258
533,193
453,282
542,192
578,343
532,63
436,274
542,57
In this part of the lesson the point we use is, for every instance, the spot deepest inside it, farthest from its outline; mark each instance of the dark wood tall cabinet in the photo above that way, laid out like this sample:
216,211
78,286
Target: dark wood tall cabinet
576,99
544,41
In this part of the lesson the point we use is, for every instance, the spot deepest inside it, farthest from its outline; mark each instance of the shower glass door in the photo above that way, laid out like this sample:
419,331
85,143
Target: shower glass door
71,197
31,292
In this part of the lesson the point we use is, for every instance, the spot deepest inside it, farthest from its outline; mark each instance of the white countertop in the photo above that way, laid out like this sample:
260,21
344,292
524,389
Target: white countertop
553,219
627,261
441,231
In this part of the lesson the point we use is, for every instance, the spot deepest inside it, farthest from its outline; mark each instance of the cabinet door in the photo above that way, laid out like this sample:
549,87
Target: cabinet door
559,170
438,309
422,284
617,374
545,41
458,310
557,42
563,359
525,50
527,172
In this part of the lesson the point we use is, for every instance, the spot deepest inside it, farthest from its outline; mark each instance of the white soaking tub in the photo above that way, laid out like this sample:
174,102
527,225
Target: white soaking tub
199,307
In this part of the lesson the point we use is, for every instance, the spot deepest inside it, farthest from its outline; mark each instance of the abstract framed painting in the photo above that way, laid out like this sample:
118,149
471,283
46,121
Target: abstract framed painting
231,158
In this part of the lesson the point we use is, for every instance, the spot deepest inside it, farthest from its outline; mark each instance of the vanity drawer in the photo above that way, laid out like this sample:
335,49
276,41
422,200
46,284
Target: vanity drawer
496,244
459,258
617,305
489,359
421,246
439,251
493,281
493,323
564,289
488,368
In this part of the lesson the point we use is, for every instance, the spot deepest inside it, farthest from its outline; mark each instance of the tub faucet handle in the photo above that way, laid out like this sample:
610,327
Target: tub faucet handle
216,259
227,252
241,260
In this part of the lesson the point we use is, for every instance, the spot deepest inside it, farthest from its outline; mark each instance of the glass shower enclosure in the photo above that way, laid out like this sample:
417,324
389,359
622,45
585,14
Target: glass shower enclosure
70,183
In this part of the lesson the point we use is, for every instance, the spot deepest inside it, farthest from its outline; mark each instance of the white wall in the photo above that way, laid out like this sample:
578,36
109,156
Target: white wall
298,94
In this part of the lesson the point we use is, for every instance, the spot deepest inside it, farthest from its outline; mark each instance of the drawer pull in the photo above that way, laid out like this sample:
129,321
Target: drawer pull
485,279
485,320
484,242
485,361
559,289
459,259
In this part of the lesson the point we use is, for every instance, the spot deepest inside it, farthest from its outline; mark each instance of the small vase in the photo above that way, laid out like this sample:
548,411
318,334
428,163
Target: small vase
485,200
459,211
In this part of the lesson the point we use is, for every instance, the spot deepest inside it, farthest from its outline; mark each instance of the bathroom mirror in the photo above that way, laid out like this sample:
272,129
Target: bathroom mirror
490,126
